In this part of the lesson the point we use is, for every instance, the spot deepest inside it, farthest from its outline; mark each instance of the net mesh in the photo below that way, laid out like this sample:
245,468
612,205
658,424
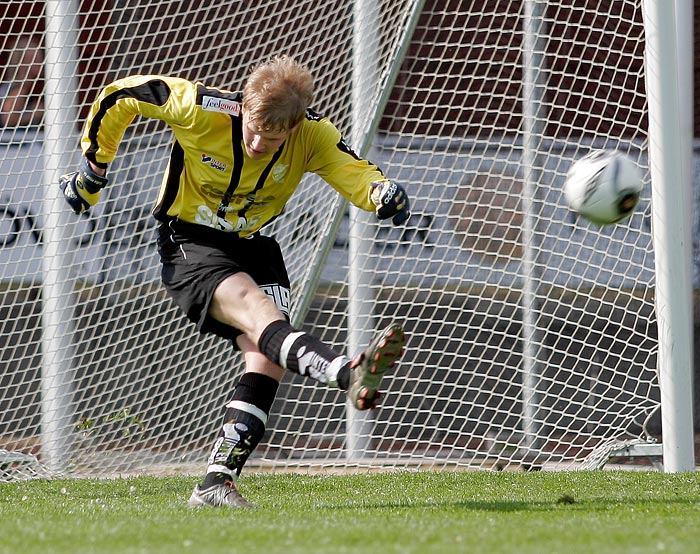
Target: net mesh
531,332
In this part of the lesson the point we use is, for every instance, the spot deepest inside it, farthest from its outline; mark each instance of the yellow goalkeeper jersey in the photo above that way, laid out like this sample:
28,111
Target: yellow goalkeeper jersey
210,180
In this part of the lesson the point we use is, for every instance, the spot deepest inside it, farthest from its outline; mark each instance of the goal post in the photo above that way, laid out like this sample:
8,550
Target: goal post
61,41
670,154
535,340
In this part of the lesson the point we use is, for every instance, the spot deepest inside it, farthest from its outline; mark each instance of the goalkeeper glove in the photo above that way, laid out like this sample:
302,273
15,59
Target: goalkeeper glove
82,188
391,201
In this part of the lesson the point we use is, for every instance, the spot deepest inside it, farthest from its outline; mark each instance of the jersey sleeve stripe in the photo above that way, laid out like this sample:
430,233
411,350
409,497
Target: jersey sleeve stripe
155,91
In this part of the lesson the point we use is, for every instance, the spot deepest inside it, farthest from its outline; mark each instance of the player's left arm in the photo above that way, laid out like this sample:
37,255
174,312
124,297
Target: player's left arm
358,180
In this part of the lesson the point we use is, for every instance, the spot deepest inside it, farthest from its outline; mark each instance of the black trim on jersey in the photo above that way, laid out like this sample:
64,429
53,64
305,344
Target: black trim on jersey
172,183
343,146
261,180
236,140
154,92
313,115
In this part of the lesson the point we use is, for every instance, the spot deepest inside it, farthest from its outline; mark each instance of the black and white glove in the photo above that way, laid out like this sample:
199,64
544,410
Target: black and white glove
82,188
391,201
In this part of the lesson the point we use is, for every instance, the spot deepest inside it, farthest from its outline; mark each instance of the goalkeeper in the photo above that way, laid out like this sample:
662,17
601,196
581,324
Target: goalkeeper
236,159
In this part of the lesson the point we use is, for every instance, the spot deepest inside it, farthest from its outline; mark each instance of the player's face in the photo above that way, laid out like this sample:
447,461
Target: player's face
260,144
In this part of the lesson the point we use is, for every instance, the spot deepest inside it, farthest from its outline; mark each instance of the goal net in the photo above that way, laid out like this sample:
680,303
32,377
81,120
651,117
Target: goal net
531,333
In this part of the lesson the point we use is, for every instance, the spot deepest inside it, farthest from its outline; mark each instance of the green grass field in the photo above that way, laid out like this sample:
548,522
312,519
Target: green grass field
404,512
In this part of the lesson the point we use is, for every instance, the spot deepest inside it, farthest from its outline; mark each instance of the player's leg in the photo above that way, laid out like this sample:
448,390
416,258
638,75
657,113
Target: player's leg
238,302
192,270
212,285
243,427
360,376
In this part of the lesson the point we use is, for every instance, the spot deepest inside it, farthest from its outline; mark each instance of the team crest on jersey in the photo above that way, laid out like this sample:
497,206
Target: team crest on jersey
213,162
214,104
279,172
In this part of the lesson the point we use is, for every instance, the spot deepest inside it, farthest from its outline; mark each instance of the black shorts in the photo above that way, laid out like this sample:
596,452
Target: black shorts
195,259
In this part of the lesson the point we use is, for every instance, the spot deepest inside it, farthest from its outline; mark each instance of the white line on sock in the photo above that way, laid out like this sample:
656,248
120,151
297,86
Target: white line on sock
287,347
248,408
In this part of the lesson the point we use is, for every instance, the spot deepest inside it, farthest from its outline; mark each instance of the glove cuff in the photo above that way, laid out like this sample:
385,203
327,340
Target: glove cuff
375,192
91,181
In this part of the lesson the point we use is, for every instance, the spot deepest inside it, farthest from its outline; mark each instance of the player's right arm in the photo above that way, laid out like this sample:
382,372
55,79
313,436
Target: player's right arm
169,99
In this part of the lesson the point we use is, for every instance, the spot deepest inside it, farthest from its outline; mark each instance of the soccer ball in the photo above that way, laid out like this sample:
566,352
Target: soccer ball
604,187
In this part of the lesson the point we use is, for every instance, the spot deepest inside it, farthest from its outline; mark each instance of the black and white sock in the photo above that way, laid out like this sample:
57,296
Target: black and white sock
244,426
304,354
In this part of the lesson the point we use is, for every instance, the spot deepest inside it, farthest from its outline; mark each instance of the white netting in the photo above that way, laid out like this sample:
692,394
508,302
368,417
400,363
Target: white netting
531,333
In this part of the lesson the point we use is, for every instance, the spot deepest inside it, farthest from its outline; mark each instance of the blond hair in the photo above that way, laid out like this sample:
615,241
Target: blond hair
277,94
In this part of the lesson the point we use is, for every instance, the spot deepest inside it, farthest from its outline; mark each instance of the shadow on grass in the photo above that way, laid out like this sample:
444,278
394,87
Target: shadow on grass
562,503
